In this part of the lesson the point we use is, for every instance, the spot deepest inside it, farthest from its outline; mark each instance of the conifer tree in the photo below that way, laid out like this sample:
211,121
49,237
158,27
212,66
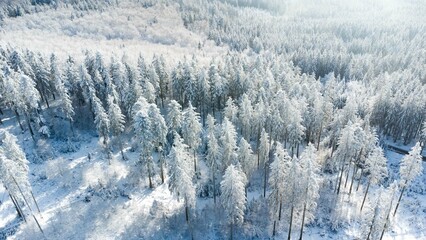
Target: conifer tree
263,156
181,174
191,130
376,165
228,142
14,171
245,115
116,119
233,196
245,157
174,116
310,181
410,168
279,171
102,121
63,93
213,157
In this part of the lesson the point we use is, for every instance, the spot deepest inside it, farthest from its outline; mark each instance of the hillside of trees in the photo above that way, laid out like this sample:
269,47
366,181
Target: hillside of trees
283,135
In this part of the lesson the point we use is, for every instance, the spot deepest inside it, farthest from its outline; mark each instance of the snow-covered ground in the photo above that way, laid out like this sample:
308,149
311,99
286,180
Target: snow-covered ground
128,29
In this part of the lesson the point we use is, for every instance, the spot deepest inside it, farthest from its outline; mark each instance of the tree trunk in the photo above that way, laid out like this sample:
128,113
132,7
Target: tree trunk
257,146
264,179
45,100
120,143
38,224
347,174
371,229
22,193
38,209
30,128
319,136
297,151
149,178
280,209
258,156
400,197
17,207
19,120
162,169
387,217
365,196
232,231
353,177
186,212
291,222
303,221
340,178
195,162
214,185
273,229
71,127
359,180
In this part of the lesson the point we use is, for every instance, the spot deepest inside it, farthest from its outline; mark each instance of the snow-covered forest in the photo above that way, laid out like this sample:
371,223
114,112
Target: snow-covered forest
204,119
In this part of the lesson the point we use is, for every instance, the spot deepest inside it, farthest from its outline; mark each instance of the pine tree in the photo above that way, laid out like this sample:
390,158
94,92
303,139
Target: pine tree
28,99
159,127
263,156
121,83
214,156
279,171
228,141
116,119
14,171
63,93
350,145
376,166
181,174
164,81
178,83
189,79
203,90
10,93
294,192
245,157
102,121
218,87
310,181
230,111
174,116
410,168
246,116
40,74
142,125
295,129
376,219
191,130
233,196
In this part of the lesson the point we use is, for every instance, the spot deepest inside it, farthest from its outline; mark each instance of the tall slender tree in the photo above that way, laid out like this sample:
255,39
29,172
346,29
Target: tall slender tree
279,171
181,174
376,166
191,131
14,171
410,168
233,196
